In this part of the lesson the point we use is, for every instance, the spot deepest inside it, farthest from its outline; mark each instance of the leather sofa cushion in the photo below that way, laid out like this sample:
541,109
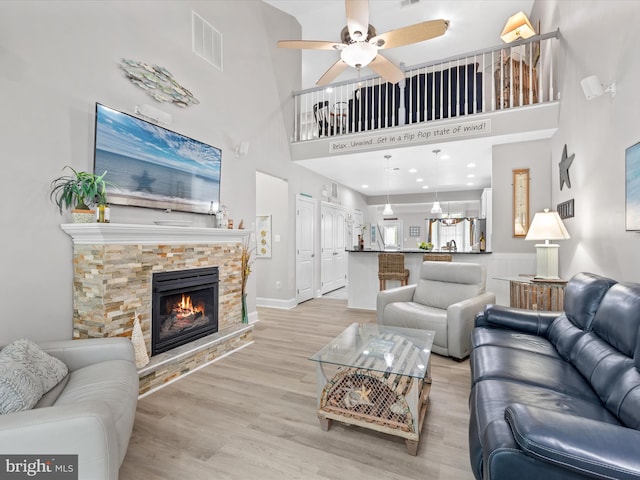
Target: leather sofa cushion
618,318
544,371
415,315
512,339
583,295
489,432
442,284
112,382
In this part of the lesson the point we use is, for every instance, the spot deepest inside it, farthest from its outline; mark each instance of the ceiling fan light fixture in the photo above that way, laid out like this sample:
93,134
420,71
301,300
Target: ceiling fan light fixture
359,54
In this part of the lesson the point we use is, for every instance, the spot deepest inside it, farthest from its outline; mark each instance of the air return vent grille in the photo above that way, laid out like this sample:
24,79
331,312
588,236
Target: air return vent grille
207,41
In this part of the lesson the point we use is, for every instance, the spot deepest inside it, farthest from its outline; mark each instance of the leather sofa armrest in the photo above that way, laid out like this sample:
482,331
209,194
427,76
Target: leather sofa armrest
460,317
80,353
526,321
86,429
574,443
399,294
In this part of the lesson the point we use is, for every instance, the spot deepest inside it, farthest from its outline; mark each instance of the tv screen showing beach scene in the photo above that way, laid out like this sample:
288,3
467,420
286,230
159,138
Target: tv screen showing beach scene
151,166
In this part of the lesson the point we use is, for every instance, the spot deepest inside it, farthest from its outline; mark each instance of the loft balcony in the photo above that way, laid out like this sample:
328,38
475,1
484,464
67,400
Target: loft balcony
503,90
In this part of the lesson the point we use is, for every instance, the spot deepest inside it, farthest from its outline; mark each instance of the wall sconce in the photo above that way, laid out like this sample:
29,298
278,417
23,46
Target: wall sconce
593,87
241,150
547,226
517,27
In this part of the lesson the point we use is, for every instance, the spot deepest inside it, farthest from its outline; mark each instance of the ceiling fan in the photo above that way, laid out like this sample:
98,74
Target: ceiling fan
360,43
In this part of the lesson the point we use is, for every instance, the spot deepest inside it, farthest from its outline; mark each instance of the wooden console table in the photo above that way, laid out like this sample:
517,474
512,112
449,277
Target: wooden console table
548,295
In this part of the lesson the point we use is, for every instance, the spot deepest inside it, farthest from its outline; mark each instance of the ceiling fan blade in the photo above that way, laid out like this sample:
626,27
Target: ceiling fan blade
310,44
357,18
411,34
335,70
387,70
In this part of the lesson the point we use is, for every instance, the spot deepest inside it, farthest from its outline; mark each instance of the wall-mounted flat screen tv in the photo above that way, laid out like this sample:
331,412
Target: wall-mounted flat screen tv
150,166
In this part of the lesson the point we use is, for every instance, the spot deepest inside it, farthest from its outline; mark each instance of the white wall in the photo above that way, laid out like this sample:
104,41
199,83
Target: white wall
536,156
272,199
598,37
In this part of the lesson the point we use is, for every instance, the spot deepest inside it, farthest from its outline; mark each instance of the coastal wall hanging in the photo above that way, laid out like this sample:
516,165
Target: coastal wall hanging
565,163
565,209
263,236
632,187
157,82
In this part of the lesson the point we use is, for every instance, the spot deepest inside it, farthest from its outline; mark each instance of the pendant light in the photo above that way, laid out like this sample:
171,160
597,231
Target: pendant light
387,208
436,209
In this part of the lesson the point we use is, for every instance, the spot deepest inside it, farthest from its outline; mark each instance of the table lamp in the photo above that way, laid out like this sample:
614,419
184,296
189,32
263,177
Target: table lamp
547,226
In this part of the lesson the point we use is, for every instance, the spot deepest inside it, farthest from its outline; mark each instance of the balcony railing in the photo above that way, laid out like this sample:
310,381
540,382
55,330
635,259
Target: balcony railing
499,78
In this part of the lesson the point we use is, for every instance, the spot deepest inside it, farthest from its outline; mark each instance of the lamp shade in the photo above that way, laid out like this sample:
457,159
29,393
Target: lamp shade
387,209
547,226
517,27
436,209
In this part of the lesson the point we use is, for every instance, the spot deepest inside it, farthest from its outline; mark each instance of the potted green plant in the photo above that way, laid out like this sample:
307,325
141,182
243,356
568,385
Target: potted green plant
79,191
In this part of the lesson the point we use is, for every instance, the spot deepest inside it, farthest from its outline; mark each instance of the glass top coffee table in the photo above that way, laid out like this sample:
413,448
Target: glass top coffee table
380,379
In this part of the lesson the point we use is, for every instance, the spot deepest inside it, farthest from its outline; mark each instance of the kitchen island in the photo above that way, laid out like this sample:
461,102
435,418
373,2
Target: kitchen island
363,283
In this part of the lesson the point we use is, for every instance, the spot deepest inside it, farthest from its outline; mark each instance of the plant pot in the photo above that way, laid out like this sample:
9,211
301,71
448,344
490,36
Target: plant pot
83,216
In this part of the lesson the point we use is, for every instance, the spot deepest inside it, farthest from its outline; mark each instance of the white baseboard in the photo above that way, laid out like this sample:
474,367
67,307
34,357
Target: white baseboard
276,302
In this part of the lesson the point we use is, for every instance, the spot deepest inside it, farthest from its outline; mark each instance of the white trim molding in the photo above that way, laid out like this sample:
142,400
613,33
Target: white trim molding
127,234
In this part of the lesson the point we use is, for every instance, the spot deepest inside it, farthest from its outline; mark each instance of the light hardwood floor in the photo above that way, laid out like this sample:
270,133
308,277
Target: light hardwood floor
252,415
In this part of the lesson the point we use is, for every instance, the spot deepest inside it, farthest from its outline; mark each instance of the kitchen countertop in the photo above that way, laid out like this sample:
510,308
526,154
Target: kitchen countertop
414,250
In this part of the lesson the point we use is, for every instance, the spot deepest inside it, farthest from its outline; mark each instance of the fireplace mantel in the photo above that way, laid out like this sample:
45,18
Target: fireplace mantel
127,233
113,269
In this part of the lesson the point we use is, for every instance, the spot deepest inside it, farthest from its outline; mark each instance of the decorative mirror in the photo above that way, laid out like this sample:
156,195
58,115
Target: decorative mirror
520,202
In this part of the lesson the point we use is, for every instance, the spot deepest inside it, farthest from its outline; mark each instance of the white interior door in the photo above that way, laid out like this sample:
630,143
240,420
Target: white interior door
340,256
327,274
305,256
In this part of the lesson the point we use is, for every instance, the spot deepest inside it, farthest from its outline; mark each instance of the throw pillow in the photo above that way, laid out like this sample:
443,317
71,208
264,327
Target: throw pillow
48,369
26,373
20,389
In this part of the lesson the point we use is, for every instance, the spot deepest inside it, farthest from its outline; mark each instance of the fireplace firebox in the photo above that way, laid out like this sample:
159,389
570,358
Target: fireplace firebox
184,307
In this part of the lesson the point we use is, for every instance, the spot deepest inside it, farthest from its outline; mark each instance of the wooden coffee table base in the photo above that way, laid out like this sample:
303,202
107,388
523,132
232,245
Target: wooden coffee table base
391,404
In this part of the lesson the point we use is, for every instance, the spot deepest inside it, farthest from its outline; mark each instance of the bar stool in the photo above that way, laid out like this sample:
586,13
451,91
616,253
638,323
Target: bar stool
437,257
391,267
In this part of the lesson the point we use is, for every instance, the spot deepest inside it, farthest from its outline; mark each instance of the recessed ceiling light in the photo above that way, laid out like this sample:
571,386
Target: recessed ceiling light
471,165
328,90
419,179
471,175
445,157
469,184
425,186
365,186
413,170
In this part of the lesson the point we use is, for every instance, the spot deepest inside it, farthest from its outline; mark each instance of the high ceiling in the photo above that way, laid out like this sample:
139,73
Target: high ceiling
474,25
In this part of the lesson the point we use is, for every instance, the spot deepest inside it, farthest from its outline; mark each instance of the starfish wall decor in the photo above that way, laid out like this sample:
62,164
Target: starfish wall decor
565,163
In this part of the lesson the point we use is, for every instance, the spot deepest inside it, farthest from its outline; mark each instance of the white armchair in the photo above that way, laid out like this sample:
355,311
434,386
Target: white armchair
446,300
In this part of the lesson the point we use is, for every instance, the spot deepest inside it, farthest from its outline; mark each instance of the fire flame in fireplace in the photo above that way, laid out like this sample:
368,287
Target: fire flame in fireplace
185,308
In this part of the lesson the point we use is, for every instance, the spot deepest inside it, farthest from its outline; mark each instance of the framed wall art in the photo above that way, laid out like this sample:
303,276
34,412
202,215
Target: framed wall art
520,202
263,236
632,187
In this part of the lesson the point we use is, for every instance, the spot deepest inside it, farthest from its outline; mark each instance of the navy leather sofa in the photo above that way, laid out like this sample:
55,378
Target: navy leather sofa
557,396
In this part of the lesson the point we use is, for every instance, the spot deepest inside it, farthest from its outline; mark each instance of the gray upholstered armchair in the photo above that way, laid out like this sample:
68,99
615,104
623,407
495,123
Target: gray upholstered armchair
446,299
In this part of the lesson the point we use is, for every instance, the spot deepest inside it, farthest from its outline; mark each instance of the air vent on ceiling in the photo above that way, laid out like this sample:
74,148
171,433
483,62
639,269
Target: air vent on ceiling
206,41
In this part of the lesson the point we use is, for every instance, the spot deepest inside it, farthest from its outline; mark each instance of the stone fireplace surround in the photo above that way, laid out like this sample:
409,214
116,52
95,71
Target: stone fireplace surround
112,273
